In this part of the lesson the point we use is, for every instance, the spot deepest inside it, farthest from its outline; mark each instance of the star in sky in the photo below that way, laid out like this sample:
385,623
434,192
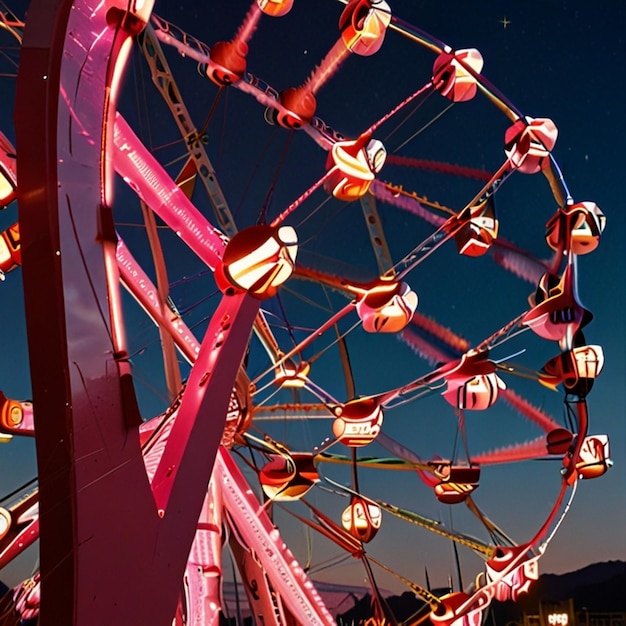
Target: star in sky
505,22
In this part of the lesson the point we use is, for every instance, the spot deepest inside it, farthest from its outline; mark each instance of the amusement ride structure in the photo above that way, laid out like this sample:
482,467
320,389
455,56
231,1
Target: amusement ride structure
133,512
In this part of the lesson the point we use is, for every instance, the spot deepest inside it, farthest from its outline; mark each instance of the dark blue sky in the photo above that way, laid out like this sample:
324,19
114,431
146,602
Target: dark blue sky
561,60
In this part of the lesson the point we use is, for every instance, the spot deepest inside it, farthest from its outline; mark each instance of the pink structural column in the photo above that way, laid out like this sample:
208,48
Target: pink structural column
109,554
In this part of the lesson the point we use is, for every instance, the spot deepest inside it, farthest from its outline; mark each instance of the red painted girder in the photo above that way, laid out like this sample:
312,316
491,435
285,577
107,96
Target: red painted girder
107,556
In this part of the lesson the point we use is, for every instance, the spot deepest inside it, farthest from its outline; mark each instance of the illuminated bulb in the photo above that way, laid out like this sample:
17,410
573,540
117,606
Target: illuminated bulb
5,522
290,375
275,8
358,422
352,165
593,458
258,260
132,16
387,307
8,172
10,248
363,24
362,519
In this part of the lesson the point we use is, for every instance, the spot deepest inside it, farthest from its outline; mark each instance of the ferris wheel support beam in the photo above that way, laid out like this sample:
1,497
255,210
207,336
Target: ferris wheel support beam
108,553
165,82
376,233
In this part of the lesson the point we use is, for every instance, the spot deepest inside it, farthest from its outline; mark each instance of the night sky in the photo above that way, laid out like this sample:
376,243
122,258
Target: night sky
561,60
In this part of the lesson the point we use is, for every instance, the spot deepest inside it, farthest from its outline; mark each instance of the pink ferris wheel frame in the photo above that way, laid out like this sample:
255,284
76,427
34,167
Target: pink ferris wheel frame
108,540
115,537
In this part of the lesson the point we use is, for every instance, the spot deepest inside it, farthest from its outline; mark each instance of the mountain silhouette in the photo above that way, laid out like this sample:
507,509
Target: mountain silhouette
597,588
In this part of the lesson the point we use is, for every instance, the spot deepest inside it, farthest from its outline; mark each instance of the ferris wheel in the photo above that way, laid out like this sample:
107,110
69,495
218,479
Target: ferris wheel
283,334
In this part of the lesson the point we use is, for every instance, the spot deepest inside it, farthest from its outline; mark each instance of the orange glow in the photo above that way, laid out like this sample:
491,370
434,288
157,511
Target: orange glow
11,413
362,519
288,477
358,422
363,24
457,482
275,8
259,259
290,375
8,173
353,164
10,248
593,458
387,307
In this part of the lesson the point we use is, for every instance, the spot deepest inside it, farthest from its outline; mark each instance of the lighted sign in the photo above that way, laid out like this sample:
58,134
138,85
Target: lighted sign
558,619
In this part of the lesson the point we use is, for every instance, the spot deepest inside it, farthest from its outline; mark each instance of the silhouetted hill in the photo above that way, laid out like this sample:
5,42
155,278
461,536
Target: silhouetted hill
596,572
402,608
600,588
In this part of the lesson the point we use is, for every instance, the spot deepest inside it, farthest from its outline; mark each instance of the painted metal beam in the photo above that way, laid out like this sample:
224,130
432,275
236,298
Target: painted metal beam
109,554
